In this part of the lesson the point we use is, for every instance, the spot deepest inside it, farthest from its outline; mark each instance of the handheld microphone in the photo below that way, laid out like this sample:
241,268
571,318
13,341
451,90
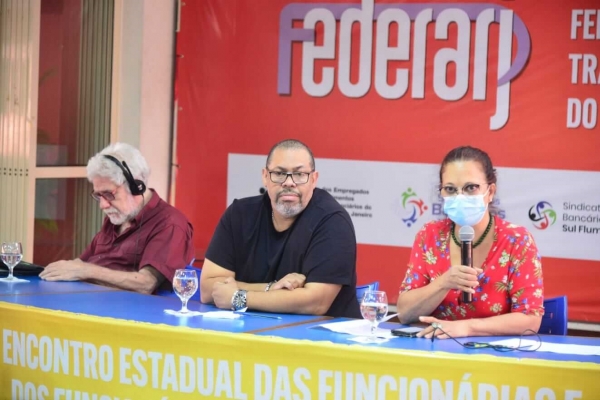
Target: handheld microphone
466,235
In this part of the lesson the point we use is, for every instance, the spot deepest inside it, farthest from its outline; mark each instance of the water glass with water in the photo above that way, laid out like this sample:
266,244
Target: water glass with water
185,284
374,308
11,254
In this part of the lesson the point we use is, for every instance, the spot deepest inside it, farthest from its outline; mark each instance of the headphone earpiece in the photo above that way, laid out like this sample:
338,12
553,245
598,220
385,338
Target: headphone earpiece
141,186
136,186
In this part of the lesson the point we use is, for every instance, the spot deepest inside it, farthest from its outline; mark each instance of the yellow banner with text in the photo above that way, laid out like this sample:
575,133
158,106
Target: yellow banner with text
65,356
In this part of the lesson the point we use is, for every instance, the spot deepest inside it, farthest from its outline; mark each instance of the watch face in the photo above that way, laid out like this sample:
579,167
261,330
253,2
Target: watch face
236,301
239,300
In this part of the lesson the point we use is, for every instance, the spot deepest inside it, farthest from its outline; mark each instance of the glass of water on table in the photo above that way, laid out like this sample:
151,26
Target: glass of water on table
374,308
11,254
185,284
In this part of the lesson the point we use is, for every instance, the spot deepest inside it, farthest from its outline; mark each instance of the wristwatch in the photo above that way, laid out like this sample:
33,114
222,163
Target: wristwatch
238,301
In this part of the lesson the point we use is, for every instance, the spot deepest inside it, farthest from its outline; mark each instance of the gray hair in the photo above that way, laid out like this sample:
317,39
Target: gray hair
101,167
291,144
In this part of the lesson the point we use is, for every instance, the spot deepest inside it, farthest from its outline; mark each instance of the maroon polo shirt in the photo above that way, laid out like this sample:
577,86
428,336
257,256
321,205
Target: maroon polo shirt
160,236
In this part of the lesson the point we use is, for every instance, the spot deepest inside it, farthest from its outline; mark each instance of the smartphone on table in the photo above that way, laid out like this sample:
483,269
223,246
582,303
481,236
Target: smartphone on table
410,331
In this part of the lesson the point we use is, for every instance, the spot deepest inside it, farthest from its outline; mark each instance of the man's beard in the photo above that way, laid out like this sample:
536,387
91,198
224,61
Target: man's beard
287,209
118,218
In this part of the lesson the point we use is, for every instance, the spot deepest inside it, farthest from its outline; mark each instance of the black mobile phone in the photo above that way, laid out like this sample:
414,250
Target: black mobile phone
411,331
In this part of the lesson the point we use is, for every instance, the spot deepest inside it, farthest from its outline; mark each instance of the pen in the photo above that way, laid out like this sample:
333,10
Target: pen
259,315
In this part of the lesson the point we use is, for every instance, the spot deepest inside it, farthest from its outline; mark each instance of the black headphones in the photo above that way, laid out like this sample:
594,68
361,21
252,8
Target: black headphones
136,186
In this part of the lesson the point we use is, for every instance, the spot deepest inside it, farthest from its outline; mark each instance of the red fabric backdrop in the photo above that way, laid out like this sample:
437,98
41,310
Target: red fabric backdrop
229,103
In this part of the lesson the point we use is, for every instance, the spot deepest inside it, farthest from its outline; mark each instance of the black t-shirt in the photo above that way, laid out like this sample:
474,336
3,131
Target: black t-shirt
321,245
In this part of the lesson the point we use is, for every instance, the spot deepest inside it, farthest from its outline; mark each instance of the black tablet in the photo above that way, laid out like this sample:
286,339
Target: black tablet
22,268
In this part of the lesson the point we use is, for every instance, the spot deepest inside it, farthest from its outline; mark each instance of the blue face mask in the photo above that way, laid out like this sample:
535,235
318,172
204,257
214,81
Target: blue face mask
465,210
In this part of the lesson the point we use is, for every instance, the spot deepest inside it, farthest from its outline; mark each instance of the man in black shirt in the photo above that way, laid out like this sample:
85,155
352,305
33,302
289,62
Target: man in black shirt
291,250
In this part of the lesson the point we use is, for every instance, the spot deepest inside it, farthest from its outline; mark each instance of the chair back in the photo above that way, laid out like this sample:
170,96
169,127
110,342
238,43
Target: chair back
360,290
554,321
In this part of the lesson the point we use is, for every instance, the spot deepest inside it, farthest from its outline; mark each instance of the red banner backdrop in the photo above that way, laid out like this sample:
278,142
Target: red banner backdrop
405,85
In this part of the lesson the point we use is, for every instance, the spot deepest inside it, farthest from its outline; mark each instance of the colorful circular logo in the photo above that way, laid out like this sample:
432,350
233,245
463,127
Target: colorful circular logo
542,215
413,205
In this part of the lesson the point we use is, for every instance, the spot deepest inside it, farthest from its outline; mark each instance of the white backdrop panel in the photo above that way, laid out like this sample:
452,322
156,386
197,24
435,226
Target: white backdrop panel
389,202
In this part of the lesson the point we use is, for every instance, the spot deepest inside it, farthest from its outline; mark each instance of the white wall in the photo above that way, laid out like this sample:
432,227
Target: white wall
144,59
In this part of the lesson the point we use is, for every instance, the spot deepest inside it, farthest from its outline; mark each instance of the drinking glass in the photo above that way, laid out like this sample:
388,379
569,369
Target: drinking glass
374,308
11,254
185,284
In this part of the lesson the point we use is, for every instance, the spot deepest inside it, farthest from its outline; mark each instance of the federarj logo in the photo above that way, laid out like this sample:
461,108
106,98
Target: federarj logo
542,215
327,51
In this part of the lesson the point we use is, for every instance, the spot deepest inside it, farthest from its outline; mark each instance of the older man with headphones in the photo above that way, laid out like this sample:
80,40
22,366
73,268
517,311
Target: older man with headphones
143,239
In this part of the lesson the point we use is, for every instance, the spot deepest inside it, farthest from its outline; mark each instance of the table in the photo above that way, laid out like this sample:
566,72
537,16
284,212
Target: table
38,286
115,344
312,331
150,309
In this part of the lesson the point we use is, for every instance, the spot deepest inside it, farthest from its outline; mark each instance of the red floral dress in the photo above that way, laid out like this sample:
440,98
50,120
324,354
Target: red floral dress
511,280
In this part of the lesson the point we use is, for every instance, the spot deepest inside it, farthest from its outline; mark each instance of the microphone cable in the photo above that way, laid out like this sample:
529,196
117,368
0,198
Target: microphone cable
496,347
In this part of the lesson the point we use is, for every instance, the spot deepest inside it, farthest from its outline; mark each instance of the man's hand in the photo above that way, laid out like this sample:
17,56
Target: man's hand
222,293
290,281
64,270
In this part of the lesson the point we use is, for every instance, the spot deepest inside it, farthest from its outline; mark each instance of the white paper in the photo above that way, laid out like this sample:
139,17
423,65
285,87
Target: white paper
559,348
221,315
177,313
367,340
388,317
357,327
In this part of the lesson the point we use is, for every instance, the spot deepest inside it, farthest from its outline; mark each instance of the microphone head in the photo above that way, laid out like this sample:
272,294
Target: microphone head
466,234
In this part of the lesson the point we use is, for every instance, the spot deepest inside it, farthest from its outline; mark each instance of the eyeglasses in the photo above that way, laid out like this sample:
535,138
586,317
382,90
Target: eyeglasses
106,195
298,178
470,189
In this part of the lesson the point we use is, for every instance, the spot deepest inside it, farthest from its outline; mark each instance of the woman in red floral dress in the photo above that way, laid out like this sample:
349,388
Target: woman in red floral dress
506,279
